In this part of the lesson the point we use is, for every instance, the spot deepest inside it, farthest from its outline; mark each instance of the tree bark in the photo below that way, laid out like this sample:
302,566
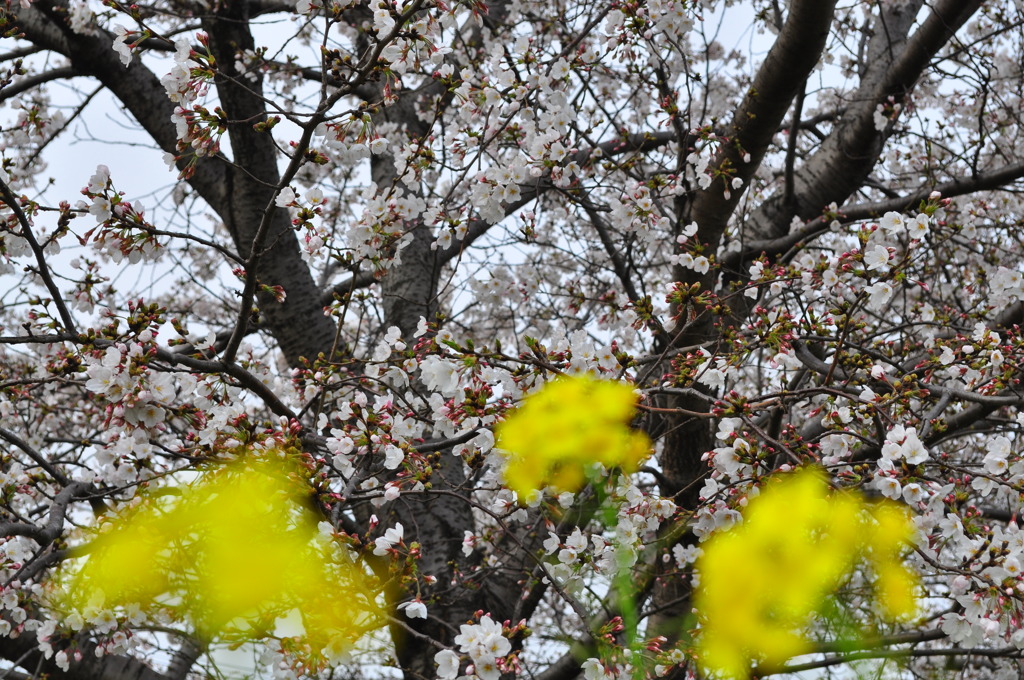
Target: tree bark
686,439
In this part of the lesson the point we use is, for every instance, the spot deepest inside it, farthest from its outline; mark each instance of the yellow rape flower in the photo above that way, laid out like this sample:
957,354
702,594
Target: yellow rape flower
891,532
561,430
231,553
762,581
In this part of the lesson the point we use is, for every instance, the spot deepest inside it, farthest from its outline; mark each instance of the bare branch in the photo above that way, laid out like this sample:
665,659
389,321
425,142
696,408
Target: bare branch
51,531
27,83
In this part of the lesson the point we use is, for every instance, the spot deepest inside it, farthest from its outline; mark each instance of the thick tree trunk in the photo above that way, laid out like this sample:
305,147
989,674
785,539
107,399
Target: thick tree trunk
777,82
298,323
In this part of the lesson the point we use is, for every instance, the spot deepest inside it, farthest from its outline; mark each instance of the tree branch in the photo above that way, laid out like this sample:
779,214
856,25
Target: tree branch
135,86
47,534
845,159
37,251
992,180
777,82
27,83
633,143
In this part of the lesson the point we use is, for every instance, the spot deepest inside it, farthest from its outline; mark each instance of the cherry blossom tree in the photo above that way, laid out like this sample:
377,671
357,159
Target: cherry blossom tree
791,227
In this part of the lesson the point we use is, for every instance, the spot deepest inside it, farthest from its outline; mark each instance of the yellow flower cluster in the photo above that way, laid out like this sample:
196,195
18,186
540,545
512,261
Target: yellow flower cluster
762,580
229,554
561,430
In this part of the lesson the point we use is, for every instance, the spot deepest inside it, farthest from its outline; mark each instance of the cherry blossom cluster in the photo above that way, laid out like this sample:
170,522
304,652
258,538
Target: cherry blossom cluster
123,231
486,646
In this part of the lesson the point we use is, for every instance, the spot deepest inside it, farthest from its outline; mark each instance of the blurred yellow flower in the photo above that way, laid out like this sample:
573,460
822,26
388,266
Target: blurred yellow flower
561,430
762,580
230,553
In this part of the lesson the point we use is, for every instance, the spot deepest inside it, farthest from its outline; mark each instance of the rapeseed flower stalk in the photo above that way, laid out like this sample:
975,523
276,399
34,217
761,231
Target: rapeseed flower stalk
230,554
761,582
559,432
